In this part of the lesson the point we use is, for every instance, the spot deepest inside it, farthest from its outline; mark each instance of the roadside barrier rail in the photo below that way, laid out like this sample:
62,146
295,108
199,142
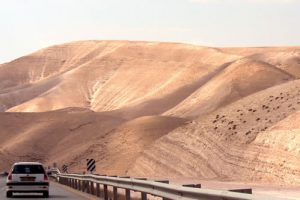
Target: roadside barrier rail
98,185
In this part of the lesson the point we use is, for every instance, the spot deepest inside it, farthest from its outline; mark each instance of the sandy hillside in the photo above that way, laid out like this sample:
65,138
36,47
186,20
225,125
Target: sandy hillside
155,109
250,139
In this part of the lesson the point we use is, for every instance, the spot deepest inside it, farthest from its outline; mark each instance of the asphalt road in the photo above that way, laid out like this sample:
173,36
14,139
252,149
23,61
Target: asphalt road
56,192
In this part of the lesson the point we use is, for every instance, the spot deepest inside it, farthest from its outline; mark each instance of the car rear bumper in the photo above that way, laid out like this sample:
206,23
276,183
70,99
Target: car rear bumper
27,183
27,187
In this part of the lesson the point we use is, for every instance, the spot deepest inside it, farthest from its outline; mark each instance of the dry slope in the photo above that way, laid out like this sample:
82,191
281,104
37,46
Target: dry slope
243,141
155,109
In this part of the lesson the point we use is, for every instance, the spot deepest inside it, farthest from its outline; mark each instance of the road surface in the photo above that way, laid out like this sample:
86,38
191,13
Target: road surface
56,192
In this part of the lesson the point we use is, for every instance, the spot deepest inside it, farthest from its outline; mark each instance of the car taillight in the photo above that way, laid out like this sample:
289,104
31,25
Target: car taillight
45,177
9,177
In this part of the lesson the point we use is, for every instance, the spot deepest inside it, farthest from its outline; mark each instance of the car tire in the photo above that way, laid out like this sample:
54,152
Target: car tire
9,194
45,194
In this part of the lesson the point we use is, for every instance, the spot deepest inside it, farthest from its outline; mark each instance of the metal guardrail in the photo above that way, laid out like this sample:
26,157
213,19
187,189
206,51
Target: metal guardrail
3,174
91,184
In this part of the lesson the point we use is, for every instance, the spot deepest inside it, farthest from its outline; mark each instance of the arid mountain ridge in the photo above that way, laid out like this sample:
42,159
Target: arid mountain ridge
155,109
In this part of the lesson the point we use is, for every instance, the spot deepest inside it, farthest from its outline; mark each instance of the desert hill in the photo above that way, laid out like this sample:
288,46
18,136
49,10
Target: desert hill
155,109
110,75
37,136
246,140
238,80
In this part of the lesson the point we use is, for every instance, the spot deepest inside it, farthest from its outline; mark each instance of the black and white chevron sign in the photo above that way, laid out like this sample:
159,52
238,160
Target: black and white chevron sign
65,168
91,165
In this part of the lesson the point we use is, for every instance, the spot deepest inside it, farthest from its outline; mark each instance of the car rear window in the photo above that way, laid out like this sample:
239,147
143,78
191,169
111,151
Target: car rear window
28,169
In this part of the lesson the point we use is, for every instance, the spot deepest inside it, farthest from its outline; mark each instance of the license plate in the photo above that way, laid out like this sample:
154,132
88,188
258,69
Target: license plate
28,179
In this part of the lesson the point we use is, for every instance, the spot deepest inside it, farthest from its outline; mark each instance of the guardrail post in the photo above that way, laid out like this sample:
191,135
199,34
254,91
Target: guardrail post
92,188
78,185
144,196
83,185
127,194
88,187
97,189
115,192
105,192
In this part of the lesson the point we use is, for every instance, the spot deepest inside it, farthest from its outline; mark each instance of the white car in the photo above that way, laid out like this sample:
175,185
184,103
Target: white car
27,177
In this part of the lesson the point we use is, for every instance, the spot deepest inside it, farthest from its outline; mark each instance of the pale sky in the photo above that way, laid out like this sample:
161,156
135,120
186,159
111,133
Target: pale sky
28,25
